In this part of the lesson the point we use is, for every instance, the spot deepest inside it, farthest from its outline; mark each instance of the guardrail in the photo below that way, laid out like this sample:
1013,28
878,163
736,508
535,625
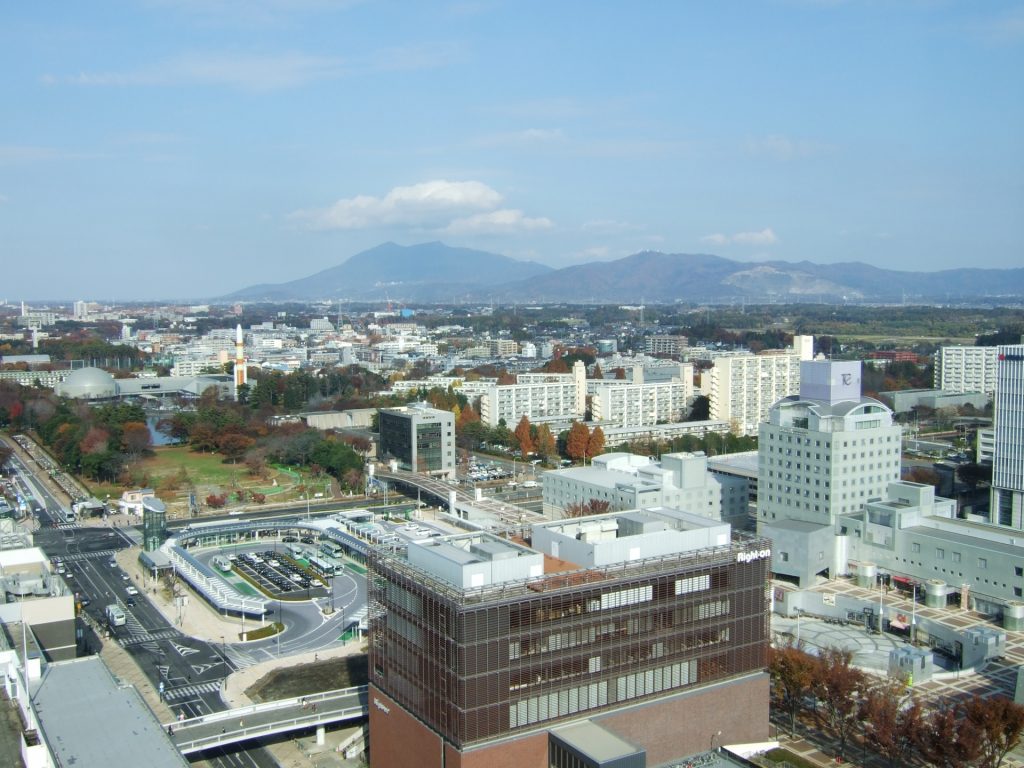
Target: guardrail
207,731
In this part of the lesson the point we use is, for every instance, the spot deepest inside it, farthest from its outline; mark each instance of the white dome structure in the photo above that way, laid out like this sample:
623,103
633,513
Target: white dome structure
88,384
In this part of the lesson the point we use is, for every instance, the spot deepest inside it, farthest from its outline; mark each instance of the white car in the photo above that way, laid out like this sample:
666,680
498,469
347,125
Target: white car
131,590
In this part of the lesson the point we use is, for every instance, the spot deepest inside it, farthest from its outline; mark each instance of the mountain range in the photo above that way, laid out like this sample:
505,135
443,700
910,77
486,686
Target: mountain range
435,272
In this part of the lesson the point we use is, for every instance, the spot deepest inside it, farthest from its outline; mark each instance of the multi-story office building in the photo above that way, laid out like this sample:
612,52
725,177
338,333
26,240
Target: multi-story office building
824,452
742,389
646,627
966,369
628,481
1008,458
540,397
419,438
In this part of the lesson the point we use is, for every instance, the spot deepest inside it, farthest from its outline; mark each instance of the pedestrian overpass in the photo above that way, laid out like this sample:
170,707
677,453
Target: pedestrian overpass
255,721
473,507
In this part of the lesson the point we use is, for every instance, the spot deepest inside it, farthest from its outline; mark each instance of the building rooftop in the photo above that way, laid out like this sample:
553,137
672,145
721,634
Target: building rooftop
596,742
88,719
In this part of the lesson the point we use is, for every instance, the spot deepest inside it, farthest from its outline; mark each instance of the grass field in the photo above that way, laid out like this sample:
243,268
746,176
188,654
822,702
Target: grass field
173,470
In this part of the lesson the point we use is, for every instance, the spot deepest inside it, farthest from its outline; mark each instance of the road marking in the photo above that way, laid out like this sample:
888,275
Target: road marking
200,668
184,650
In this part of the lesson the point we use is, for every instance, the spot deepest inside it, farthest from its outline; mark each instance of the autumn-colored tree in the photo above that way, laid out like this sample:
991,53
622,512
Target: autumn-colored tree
256,464
890,723
555,366
944,742
578,441
574,510
258,498
136,438
468,415
216,501
999,723
95,441
595,444
598,506
352,479
522,434
792,670
234,445
837,685
546,445
597,373
620,374
922,475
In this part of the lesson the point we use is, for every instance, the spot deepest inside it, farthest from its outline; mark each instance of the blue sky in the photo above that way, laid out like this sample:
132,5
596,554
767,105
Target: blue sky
189,148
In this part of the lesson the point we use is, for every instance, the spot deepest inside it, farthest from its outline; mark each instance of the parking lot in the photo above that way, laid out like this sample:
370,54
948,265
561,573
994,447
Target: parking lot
277,574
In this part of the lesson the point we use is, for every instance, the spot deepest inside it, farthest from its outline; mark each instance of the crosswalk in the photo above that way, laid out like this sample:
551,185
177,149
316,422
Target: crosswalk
79,556
239,658
140,636
187,691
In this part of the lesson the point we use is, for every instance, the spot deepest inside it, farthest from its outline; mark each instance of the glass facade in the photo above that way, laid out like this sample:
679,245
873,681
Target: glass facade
478,664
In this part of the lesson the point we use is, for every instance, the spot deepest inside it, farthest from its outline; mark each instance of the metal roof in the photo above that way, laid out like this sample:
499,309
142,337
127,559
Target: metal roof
88,719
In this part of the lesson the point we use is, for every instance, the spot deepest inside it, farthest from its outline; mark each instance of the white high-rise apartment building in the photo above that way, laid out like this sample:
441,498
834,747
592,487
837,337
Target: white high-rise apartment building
826,451
742,389
628,404
966,369
538,396
1008,460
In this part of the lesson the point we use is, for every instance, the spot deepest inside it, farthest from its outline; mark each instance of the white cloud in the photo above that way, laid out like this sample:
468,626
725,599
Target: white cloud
22,153
784,148
526,137
503,221
257,72
414,57
429,203
764,237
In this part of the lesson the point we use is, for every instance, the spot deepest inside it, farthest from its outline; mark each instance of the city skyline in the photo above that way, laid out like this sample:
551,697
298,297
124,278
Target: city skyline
178,148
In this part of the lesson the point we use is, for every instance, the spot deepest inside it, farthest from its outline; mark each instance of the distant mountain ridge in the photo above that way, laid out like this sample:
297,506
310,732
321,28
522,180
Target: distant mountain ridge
424,272
435,272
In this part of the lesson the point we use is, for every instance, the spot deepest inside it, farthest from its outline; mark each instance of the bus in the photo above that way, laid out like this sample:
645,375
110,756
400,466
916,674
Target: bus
321,567
331,549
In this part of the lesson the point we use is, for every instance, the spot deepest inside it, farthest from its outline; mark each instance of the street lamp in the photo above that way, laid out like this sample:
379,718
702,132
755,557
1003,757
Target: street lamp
913,618
717,737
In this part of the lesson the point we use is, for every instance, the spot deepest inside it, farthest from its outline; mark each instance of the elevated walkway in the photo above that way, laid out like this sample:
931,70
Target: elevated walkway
255,721
219,593
467,506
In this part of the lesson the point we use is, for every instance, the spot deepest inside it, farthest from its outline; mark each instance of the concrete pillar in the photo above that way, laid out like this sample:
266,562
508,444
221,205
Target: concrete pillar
321,735
478,494
452,497
1013,616
867,575
935,593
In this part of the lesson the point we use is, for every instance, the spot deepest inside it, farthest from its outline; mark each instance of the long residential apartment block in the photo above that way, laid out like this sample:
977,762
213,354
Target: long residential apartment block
742,388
